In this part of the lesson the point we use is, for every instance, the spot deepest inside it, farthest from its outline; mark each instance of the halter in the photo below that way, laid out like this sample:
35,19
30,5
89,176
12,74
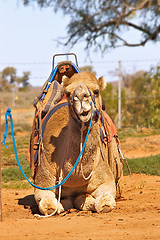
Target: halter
96,112
83,127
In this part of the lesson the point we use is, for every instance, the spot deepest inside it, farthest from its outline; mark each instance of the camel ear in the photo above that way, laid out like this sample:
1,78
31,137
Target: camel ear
65,81
102,83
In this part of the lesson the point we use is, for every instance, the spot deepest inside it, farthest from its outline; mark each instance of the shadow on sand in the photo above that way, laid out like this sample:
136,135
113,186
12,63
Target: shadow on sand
29,203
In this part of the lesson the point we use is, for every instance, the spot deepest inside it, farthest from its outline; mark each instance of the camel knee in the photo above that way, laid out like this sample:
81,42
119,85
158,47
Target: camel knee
108,189
105,203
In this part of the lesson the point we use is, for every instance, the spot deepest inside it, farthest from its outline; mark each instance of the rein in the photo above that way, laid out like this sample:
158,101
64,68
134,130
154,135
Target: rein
8,114
83,127
81,144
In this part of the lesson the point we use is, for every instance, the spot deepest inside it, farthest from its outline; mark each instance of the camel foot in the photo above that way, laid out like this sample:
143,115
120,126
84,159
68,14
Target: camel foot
104,203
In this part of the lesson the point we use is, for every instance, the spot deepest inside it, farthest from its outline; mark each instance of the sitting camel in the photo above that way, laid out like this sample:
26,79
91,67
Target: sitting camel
92,185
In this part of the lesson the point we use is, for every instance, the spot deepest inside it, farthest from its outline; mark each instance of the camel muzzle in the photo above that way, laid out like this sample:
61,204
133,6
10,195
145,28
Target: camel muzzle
80,102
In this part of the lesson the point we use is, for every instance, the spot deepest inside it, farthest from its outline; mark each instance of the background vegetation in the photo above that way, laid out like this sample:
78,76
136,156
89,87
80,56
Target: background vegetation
9,79
140,99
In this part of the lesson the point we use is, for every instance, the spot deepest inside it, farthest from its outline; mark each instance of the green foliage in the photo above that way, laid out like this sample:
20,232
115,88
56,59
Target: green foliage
149,165
25,78
145,109
110,97
101,24
9,79
140,100
10,73
110,101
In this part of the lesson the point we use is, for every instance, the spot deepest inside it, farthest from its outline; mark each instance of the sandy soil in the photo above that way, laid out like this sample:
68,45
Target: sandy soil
141,147
136,216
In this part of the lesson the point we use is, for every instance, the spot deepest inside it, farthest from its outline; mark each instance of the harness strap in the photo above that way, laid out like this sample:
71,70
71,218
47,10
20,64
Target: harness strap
96,112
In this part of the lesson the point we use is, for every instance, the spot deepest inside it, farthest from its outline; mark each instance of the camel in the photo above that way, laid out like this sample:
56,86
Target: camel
92,186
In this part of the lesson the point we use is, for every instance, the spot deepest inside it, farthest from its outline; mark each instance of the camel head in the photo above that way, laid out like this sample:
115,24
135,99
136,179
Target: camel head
81,89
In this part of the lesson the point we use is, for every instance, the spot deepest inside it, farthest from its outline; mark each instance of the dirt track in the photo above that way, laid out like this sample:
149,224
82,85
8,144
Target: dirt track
136,216
141,147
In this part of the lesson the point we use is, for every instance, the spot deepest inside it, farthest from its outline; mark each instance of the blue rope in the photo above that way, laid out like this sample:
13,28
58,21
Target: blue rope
8,113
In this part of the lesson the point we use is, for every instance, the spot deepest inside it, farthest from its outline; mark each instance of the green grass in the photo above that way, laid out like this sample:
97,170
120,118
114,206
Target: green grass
16,185
11,174
8,156
13,178
147,165
14,173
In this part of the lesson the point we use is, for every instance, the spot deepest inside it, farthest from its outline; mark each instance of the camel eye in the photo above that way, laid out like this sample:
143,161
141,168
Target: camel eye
67,94
96,92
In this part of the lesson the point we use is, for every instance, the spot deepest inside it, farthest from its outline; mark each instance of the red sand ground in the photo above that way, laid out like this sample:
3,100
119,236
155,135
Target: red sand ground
136,216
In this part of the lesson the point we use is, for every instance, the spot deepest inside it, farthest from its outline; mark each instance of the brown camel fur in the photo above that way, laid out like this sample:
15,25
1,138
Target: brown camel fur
92,184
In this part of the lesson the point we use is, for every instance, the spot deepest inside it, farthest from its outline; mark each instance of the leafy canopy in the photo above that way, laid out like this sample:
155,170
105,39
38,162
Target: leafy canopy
145,109
8,78
102,23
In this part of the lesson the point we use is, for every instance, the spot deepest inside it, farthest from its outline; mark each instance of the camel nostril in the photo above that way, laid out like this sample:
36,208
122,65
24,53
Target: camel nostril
76,98
85,96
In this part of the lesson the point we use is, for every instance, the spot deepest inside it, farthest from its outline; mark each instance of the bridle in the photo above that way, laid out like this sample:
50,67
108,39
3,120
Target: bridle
83,125
77,119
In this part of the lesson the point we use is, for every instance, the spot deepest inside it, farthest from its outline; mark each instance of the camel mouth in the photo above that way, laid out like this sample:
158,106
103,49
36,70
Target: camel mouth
85,113
85,116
